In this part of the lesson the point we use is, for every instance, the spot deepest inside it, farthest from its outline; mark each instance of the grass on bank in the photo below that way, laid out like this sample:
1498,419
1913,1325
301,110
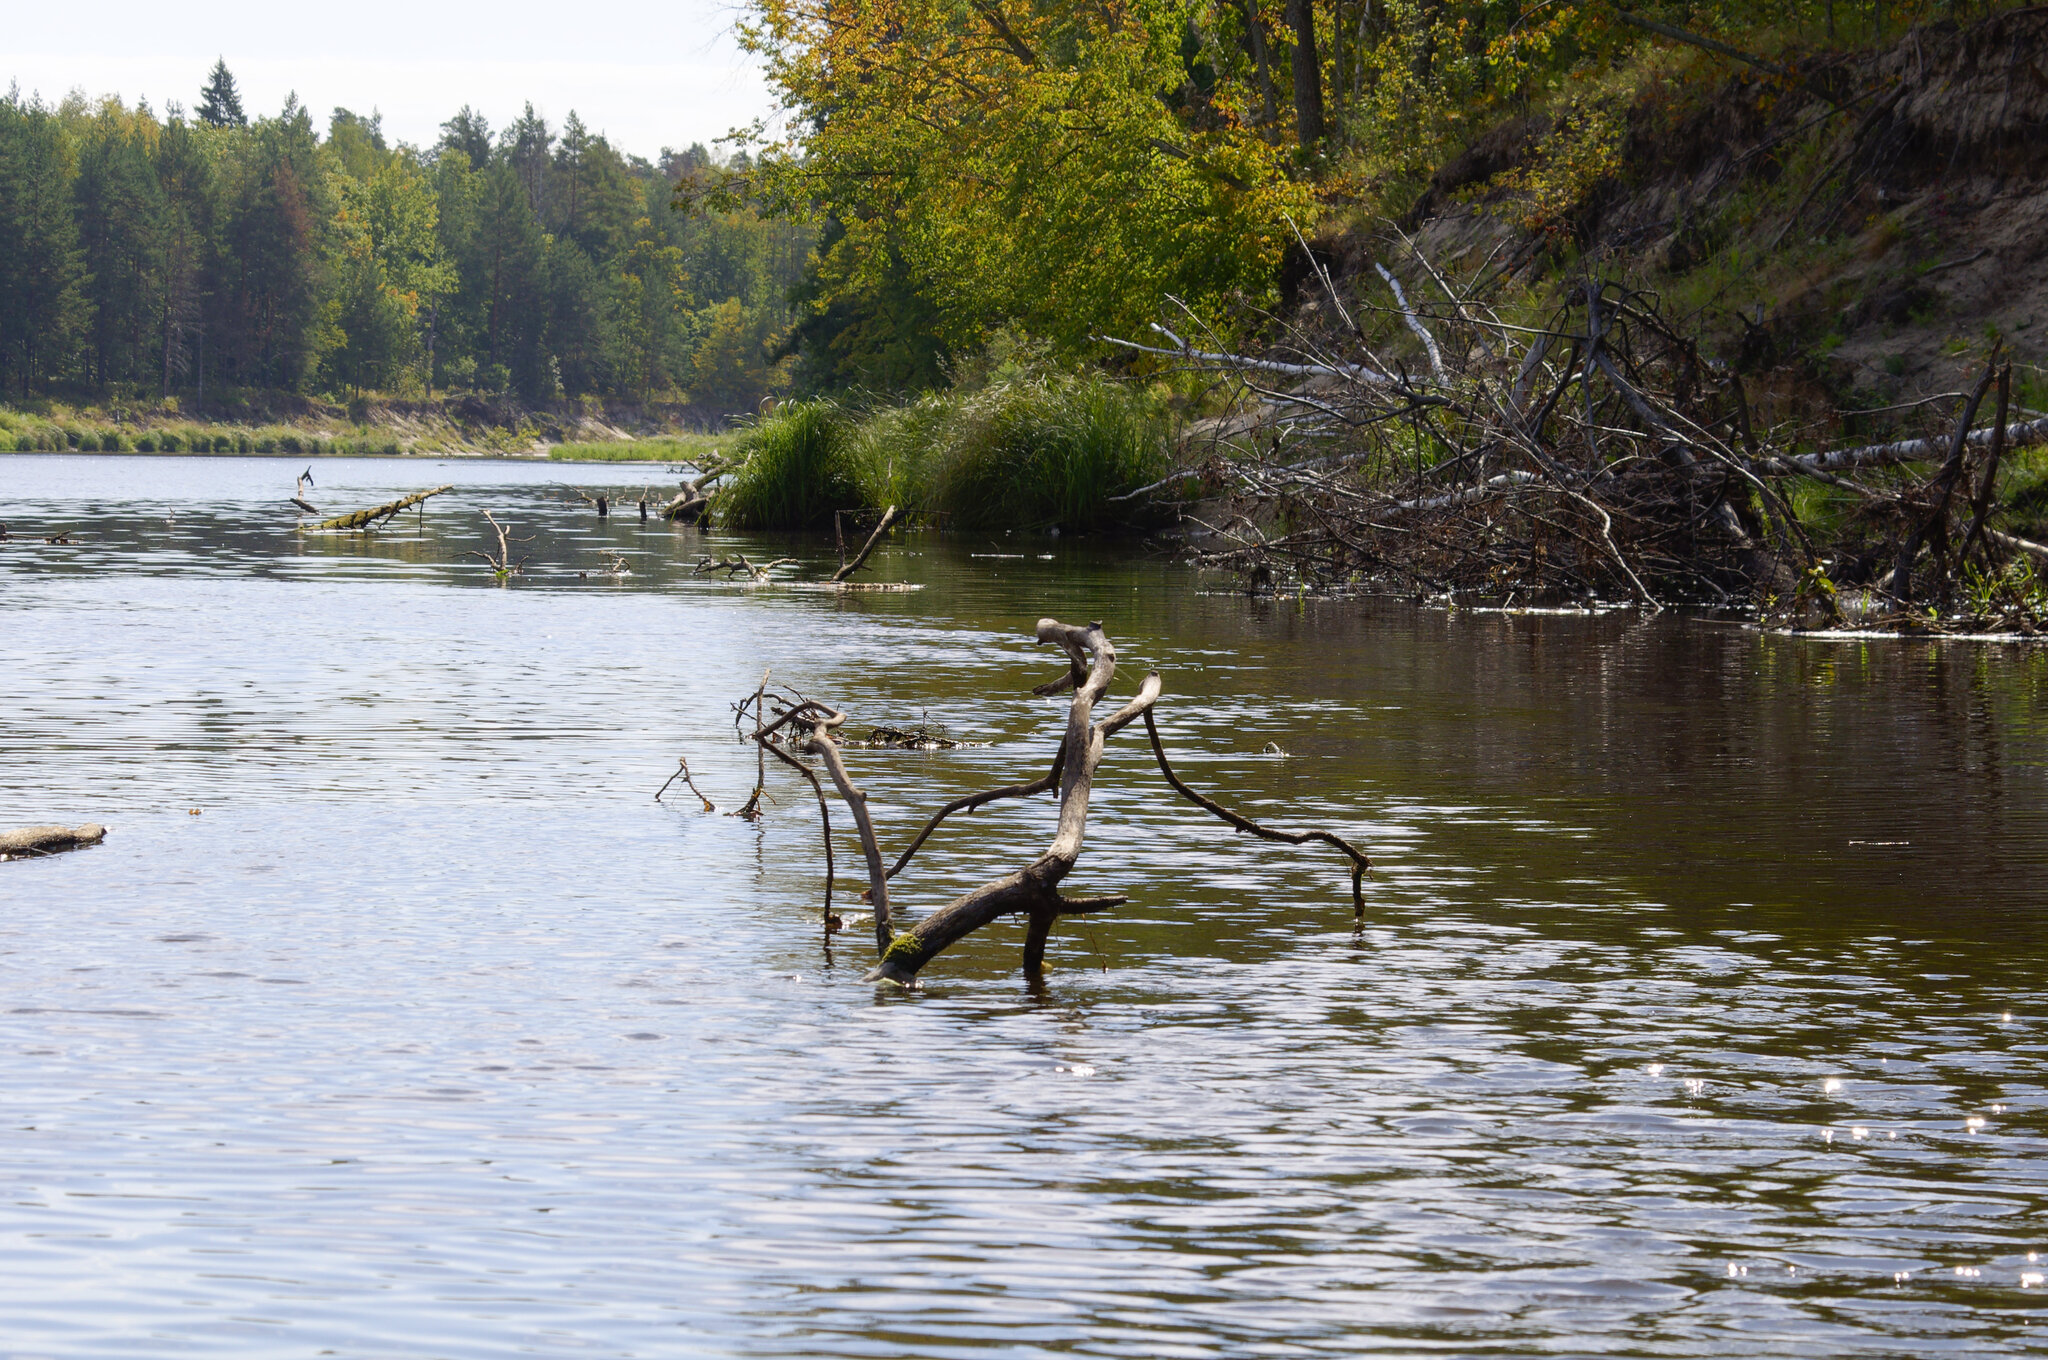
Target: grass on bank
687,448
1029,452
25,432
20,434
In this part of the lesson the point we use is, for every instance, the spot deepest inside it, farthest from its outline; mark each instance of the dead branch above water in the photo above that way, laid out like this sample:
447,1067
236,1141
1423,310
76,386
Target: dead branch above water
1033,890
847,569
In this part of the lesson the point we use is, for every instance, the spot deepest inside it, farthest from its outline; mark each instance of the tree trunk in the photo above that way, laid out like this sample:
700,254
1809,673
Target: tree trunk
1255,33
1308,74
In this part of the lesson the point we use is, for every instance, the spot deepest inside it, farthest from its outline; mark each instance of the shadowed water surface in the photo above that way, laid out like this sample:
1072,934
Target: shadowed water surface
1698,1010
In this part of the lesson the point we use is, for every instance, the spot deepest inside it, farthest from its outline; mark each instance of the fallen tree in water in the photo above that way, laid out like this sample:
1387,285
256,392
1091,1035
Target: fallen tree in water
365,519
34,842
787,725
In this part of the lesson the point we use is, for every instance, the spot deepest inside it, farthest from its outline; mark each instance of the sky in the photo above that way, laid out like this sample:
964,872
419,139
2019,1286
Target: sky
646,75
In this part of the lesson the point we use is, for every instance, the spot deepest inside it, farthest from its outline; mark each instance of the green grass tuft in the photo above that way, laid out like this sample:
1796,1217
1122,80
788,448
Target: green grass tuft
798,468
1047,451
1028,452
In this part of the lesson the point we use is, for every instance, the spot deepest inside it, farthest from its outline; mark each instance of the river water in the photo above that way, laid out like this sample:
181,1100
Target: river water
1699,1007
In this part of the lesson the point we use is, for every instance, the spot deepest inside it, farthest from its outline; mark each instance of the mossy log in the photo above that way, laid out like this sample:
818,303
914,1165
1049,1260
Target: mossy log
33,842
363,519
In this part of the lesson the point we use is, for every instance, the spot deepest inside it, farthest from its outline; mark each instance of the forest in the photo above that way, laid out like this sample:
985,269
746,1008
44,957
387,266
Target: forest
1084,167
204,254
1059,169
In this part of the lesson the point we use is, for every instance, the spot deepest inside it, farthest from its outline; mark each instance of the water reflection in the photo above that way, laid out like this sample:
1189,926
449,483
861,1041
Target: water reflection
1698,1009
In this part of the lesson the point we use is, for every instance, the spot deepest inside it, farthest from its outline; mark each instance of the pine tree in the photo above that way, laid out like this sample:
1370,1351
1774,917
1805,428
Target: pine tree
119,203
470,134
220,104
44,311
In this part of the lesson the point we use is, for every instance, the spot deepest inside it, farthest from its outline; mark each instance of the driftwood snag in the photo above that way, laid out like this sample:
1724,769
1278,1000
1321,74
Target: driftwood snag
364,519
693,504
846,568
1032,891
34,842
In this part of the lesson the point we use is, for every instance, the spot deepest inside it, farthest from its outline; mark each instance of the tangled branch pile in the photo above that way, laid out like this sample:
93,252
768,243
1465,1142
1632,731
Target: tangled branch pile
1594,455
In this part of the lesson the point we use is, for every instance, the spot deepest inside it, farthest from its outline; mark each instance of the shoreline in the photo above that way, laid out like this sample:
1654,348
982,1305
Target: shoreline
401,456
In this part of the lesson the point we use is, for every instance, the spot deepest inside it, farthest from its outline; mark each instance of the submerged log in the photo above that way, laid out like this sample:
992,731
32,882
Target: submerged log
33,842
363,519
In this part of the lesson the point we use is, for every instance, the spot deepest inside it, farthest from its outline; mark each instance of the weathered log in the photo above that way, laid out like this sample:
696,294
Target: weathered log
363,519
1429,345
695,499
2018,544
33,842
2023,435
733,566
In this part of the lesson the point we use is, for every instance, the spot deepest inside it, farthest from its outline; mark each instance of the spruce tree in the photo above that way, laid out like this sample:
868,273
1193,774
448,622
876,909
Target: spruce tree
220,104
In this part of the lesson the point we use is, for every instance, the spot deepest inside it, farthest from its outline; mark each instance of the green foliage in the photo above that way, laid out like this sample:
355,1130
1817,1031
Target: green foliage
2016,592
43,305
731,370
796,469
145,256
1116,172
1024,451
1068,165
220,103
